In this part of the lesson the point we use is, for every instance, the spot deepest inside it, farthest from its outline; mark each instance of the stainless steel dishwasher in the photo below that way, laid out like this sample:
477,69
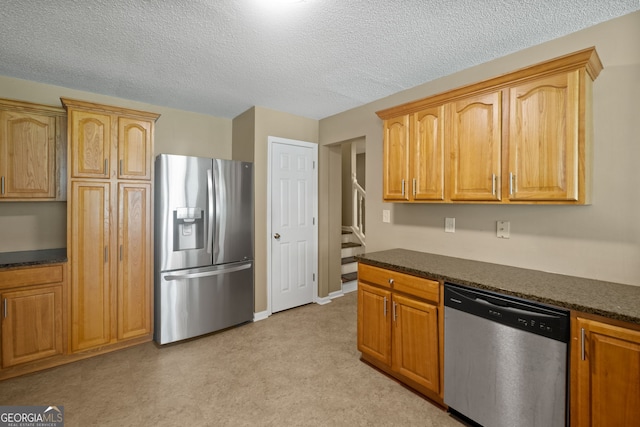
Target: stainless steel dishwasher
505,359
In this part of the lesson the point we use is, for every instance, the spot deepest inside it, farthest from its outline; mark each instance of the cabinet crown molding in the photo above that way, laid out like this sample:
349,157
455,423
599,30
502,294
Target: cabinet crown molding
85,105
30,107
587,58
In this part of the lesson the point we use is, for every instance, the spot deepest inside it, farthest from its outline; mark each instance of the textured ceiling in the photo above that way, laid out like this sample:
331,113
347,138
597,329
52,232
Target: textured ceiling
313,58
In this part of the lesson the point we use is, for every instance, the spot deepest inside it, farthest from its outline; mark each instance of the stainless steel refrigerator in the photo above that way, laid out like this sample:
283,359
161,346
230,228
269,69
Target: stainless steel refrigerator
203,246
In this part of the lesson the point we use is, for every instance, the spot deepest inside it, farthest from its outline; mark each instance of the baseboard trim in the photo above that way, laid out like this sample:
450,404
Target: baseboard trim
351,286
261,315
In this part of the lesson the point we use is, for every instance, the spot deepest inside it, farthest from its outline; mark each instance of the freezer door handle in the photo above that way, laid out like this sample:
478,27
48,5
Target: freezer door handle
207,273
210,219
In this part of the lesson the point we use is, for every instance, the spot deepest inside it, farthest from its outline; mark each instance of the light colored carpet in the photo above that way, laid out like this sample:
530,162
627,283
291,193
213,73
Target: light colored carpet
300,367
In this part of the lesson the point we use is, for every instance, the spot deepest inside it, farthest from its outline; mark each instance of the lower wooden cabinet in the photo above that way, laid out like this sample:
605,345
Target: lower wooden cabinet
32,325
32,314
605,374
399,328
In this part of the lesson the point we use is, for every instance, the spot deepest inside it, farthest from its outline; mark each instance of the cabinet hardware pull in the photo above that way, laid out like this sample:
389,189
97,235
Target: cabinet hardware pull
395,314
2,179
493,184
106,255
391,281
511,177
384,310
5,308
120,252
414,187
403,188
582,344
120,167
106,167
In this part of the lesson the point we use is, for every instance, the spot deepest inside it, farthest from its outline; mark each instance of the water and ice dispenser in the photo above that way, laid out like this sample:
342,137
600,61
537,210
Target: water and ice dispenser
188,229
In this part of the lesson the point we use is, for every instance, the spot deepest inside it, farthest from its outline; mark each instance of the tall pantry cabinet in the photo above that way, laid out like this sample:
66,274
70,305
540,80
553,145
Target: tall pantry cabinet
110,229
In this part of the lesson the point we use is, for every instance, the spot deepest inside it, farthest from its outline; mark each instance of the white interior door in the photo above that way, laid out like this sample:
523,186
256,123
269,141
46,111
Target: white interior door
293,224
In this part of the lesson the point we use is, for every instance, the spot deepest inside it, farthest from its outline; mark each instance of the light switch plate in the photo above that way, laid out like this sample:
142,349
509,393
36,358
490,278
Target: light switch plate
386,215
449,225
503,229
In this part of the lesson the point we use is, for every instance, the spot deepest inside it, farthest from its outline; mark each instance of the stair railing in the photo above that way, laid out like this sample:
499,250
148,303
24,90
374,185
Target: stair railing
359,195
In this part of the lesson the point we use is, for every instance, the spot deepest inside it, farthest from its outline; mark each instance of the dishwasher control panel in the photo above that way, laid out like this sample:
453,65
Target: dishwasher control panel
540,319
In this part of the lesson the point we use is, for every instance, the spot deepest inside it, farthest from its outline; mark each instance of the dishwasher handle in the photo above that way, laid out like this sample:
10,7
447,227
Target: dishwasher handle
514,312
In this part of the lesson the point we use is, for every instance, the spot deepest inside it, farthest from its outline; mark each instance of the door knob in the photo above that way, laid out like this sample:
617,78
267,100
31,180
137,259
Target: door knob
276,236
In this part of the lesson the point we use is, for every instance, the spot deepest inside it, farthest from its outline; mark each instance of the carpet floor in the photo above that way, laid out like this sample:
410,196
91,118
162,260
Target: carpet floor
299,367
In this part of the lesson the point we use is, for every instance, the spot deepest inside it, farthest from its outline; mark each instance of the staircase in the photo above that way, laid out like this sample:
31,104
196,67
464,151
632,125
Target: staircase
351,247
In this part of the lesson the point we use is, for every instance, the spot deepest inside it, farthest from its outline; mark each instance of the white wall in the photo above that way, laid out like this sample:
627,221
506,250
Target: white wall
600,241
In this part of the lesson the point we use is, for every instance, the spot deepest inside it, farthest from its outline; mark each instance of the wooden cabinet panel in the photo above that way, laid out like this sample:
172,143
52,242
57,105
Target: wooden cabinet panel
427,154
90,135
415,341
41,275
543,138
395,159
374,322
134,264
90,264
606,382
134,149
27,155
475,143
111,225
31,325
398,331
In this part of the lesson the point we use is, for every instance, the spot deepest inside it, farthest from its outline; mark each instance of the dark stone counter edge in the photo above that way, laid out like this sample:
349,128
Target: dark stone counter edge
549,301
30,258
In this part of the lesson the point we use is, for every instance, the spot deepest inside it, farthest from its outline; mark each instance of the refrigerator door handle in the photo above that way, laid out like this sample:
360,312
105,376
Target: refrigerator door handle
208,273
210,219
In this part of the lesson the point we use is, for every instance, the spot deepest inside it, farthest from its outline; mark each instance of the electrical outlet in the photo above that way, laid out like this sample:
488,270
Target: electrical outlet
449,225
386,215
503,229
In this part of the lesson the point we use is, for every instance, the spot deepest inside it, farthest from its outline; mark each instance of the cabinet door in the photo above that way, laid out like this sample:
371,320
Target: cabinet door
91,255
31,324
543,139
607,380
134,263
374,322
415,341
475,138
395,159
90,144
134,149
27,155
427,154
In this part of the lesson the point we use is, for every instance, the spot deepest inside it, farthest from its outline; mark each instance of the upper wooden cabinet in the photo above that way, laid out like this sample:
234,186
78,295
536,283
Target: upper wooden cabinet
395,160
475,143
523,137
32,151
544,139
109,142
413,167
427,154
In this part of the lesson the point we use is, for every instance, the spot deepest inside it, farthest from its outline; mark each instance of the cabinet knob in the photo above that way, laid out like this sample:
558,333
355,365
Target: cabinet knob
391,281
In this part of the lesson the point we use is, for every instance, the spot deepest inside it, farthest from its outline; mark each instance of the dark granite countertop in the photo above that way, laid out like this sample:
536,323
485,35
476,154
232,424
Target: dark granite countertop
25,258
612,300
